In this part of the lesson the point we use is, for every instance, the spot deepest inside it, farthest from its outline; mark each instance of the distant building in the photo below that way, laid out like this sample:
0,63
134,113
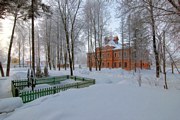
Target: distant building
15,61
29,63
111,56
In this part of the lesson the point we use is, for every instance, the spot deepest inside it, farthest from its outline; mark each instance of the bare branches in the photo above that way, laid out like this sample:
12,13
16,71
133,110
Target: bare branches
175,5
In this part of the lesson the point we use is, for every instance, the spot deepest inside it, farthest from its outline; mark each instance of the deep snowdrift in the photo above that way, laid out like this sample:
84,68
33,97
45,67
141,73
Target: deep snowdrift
10,104
104,102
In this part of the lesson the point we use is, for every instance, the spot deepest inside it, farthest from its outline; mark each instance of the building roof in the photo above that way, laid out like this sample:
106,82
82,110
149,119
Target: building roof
115,45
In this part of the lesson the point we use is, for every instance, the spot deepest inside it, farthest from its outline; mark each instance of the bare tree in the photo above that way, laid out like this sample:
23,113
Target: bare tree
148,13
16,10
2,59
96,17
68,11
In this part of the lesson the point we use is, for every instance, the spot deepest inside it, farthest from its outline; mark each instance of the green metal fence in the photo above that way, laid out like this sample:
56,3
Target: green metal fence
18,85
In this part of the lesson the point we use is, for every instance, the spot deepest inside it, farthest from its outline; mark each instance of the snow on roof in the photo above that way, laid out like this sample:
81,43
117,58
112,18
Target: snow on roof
115,45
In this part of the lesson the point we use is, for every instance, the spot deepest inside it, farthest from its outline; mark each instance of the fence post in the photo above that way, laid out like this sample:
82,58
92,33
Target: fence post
28,75
94,82
12,87
54,80
16,92
54,90
77,85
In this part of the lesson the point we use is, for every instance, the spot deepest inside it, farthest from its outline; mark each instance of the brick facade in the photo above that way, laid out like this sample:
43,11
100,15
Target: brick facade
112,58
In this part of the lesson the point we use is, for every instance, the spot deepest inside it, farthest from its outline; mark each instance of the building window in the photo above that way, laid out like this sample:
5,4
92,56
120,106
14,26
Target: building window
125,54
125,64
119,64
120,54
114,54
114,64
107,64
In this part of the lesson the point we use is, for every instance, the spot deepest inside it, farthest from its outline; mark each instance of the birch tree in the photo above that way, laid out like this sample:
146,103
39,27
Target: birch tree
68,10
157,15
97,17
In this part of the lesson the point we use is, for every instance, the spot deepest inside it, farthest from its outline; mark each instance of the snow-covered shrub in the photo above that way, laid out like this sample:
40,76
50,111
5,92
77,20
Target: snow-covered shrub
38,71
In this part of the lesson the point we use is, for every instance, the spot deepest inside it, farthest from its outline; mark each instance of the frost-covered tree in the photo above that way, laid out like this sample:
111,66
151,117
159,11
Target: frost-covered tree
96,17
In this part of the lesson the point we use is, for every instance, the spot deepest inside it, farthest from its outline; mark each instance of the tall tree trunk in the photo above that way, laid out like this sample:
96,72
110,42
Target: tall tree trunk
122,35
65,60
19,54
91,42
172,67
164,62
69,53
53,63
89,55
61,53
23,54
154,39
129,32
39,58
95,37
10,47
58,48
49,56
135,48
72,45
100,54
1,69
33,44
48,44
30,47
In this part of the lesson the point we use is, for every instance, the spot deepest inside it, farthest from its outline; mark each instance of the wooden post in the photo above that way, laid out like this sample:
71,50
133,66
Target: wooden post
16,92
67,76
77,85
54,89
94,82
172,67
28,77
32,79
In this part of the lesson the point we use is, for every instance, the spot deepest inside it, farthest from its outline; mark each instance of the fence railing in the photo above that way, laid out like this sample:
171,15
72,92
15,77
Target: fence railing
17,86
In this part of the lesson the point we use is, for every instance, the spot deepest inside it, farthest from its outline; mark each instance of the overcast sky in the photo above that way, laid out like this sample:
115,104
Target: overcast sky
7,27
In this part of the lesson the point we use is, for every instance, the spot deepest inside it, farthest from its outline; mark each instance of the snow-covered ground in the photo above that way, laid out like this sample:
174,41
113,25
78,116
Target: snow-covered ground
115,96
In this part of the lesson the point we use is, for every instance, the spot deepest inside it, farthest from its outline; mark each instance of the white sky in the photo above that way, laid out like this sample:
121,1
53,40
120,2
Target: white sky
114,22
6,32
8,24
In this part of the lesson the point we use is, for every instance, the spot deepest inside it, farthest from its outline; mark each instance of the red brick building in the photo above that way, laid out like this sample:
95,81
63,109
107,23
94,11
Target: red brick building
111,56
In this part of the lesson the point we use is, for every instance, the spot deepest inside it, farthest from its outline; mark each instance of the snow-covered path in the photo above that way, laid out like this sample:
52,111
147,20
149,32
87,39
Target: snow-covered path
104,102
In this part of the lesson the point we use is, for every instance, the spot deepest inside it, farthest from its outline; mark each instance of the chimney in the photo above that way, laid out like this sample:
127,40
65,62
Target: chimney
116,39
